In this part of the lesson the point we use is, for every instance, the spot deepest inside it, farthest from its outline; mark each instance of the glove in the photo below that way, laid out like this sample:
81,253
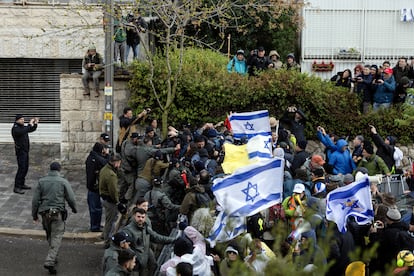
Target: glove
74,211
122,208
123,201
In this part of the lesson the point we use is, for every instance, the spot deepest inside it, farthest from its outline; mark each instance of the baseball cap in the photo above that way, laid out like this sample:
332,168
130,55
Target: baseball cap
105,137
299,188
388,71
121,237
317,159
18,116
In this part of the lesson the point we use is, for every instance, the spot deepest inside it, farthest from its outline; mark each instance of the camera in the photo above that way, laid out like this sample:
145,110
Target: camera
255,52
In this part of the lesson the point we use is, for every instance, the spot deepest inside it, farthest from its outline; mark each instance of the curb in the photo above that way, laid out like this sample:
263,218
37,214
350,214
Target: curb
87,236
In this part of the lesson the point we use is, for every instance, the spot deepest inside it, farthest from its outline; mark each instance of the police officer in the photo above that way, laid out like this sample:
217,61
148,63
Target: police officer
128,172
49,201
161,210
22,146
108,189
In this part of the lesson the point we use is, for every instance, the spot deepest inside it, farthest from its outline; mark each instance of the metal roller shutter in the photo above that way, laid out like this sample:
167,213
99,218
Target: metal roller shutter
32,87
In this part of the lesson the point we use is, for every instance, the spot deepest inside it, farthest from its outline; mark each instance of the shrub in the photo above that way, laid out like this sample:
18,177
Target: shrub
206,92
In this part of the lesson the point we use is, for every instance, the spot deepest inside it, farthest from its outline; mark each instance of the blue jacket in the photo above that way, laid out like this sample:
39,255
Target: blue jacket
237,66
342,160
327,142
384,93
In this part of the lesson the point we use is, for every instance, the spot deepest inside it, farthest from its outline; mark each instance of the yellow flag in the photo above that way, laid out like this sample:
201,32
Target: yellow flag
235,157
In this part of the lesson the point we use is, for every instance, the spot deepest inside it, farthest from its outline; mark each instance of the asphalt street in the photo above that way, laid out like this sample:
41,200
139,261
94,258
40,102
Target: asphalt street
25,256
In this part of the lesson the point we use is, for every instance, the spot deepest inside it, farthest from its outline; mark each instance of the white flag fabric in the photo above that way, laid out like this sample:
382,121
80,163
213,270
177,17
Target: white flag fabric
259,148
249,124
226,228
351,200
251,188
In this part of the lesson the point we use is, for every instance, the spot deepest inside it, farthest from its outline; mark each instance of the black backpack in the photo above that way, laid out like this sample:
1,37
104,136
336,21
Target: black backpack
406,240
203,199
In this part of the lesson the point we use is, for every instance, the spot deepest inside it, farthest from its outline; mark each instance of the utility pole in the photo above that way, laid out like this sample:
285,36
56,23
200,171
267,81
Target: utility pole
109,69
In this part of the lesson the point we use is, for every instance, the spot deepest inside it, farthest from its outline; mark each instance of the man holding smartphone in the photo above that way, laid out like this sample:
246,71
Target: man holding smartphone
92,64
20,134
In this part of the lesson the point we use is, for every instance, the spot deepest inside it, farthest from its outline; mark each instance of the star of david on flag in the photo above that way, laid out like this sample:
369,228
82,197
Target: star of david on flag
249,124
259,148
226,228
251,188
351,200
246,192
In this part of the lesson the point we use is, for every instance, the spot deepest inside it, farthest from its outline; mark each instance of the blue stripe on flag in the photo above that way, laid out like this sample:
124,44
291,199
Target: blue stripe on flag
247,209
259,154
235,179
215,234
249,117
349,193
248,136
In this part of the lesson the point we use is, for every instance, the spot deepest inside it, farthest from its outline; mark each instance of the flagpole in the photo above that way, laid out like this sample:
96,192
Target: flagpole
228,45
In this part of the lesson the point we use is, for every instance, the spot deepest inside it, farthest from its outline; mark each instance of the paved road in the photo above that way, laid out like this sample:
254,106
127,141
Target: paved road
15,209
25,256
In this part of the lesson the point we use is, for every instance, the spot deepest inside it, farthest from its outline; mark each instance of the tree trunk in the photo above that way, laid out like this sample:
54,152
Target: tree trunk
164,120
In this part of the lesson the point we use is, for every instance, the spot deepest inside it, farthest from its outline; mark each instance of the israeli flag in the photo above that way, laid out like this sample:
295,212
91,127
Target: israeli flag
249,124
251,188
259,148
351,200
226,228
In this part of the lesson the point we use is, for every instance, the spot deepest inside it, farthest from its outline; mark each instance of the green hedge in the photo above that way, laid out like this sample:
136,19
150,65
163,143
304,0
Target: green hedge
206,92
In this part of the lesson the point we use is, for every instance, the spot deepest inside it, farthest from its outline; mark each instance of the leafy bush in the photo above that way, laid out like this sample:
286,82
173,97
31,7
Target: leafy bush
206,92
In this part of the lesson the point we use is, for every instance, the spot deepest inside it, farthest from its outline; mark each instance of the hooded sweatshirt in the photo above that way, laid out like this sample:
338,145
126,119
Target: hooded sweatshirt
341,159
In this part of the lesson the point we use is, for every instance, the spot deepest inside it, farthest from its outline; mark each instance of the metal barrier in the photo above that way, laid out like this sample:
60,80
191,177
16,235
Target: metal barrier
394,184
166,252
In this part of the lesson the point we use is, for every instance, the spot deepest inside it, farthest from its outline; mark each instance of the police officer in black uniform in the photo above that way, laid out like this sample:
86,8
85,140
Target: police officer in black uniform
20,134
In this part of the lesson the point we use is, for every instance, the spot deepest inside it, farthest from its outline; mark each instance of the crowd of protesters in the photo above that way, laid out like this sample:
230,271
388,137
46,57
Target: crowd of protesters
157,184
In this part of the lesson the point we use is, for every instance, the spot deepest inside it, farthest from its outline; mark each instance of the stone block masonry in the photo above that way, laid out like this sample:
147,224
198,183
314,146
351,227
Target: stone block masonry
82,117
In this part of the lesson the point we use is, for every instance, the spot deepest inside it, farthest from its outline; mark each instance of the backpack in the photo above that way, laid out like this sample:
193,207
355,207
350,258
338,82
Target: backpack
203,200
256,226
398,156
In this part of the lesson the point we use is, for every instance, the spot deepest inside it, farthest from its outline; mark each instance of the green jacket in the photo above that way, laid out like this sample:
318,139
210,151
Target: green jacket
118,270
143,237
145,152
51,192
110,258
120,34
108,183
374,164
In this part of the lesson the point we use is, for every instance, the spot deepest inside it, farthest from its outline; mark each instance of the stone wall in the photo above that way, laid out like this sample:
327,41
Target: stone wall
82,117
47,31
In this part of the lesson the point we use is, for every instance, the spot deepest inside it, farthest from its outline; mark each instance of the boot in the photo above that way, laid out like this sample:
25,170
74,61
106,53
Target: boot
87,92
97,94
